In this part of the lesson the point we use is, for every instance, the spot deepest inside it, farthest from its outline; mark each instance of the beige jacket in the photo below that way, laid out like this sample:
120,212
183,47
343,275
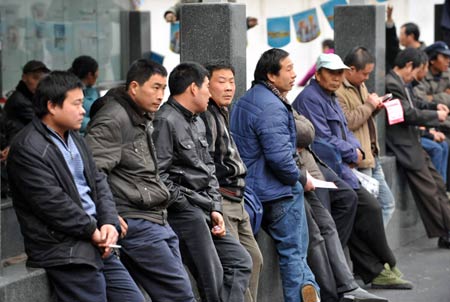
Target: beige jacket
359,118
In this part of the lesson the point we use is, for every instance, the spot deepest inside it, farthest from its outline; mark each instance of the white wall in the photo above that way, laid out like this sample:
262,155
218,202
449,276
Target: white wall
303,54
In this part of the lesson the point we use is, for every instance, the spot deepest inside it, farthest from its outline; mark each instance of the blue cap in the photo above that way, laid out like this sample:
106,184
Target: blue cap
438,47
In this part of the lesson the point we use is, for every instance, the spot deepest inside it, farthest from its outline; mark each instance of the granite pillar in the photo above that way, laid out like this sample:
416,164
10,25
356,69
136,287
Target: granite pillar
134,37
364,25
438,11
215,31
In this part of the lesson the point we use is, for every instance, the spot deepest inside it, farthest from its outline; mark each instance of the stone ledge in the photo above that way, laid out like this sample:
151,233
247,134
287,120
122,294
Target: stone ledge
19,283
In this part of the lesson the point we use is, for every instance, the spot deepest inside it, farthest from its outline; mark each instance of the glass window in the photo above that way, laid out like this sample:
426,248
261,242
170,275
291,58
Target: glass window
56,32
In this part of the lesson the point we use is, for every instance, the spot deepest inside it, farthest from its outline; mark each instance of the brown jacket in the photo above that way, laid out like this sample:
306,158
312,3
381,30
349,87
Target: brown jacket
359,118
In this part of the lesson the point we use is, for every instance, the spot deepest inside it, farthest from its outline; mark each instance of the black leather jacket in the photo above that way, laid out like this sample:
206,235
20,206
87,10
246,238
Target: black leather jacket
185,165
56,229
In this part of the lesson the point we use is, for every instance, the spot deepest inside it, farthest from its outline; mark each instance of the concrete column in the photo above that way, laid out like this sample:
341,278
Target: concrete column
364,25
215,31
134,37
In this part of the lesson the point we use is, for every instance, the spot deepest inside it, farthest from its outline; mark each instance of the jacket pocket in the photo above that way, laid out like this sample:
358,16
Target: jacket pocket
152,195
188,151
55,235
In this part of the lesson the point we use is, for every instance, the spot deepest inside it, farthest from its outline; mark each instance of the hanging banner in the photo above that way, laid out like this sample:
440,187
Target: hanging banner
328,10
278,31
175,37
306,25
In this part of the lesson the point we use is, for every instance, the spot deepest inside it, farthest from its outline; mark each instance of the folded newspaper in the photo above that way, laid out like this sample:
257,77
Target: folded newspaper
369,183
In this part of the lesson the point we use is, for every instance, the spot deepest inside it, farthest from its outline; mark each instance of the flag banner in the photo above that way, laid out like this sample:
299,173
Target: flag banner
278,31
328,10
175,37
306,25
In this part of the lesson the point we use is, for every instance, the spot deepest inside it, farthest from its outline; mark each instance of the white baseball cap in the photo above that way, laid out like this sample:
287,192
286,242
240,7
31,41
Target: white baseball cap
330,61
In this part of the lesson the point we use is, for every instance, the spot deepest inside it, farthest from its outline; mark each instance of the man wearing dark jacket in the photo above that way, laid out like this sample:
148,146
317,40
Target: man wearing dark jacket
119,136
19,106
403,140
230,169
63,203
18,110
220,265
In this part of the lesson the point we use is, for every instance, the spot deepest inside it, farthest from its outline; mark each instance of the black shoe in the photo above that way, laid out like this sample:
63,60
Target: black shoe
444,243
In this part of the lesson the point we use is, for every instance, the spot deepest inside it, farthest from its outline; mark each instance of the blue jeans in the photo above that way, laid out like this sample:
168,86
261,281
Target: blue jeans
151,254
385,196
438,153
285,222
81,282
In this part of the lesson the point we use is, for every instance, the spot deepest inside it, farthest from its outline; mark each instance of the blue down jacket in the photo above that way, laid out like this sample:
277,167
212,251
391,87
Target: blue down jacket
263,128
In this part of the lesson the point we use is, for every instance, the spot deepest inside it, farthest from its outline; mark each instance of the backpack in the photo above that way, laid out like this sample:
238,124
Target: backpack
254,208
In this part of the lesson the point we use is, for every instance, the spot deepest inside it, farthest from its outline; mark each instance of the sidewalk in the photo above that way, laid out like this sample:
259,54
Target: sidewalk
427,267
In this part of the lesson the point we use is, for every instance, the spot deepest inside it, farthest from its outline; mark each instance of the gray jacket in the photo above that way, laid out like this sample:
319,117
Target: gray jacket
436,88
119,136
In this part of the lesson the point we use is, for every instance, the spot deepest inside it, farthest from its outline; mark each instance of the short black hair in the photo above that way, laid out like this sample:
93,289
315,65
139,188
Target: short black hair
142,70
412,29
53,88
184,75
328,43
269,62
408,55
423,57
359,57
83,65
217,65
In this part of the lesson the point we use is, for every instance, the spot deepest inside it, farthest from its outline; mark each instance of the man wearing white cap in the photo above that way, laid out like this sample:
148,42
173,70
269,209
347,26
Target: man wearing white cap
372,257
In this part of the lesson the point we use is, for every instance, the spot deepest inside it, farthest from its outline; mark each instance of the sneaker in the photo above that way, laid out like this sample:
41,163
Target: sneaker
444,242
309,294
360,295
389,280
396,271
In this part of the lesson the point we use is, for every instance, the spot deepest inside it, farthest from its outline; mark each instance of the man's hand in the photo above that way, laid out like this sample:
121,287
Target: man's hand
447,90
442,115
374,100
309,186
123,227
358,160
170,17
437,136
218,224
4,154
104,237
442,107
389,10
360,156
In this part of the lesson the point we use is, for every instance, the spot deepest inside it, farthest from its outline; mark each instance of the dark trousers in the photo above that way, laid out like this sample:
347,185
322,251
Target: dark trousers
369,249
368,245
341,203
429,192
80,282
151,254
325,255
221,266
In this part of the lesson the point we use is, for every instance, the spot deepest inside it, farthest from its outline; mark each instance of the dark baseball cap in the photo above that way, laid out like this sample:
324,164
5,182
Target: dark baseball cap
35,66
438,47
